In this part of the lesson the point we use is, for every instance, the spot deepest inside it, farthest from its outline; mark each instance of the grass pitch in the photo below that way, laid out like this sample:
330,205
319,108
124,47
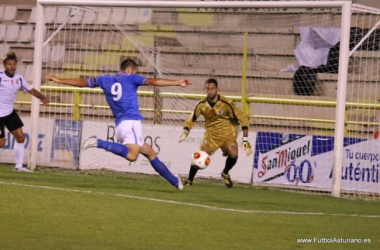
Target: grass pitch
63,210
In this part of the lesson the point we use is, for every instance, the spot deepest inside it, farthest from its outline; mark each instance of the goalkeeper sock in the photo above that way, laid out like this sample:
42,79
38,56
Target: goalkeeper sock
230,163
164,171
116,148
192,173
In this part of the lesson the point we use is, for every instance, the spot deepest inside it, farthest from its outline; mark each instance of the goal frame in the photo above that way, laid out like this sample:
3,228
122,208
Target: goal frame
344,53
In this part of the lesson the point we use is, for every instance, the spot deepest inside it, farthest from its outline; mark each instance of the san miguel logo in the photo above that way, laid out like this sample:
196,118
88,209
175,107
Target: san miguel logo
291,160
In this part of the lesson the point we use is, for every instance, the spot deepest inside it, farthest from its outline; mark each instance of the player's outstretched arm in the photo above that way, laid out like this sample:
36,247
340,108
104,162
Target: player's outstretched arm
187,126
76,82
40,96
166,82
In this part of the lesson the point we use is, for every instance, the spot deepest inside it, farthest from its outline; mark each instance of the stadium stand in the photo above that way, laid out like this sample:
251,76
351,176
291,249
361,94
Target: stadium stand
3,28
32,17
10,13
104,17
118,15
76,16
12,33
18,36
62,15
26,34
57,53
89,17
29,73
1,12
4,48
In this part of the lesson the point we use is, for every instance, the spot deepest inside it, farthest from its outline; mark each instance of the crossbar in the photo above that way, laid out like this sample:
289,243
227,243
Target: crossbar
195,4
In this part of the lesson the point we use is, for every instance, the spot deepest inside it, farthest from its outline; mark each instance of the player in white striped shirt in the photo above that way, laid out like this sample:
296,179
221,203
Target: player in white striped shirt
10,83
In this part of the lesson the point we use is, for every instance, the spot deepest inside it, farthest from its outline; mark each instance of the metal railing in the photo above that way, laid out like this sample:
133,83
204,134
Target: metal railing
77,105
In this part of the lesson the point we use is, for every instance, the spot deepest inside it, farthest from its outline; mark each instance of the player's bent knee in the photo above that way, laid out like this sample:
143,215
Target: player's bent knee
233,152
133,153
234,156
20,139
132,156
205,149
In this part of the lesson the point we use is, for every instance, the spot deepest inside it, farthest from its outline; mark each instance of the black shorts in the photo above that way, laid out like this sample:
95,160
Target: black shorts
12,122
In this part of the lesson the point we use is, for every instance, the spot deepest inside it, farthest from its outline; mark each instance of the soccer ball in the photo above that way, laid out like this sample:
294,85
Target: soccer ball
200,160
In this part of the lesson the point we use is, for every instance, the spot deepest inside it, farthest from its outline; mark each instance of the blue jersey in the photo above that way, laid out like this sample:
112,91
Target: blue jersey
121,94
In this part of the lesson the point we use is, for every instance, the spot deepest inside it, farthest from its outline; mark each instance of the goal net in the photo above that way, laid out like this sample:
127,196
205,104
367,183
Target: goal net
279,64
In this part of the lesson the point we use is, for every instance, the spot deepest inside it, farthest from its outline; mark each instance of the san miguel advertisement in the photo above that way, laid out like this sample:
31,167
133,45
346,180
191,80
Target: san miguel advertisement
290,159
285,163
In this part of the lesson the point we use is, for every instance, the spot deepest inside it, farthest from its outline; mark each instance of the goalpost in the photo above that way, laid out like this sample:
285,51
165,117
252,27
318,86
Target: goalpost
160,56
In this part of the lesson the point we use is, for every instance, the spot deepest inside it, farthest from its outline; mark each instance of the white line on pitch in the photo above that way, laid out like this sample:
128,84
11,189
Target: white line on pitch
190,204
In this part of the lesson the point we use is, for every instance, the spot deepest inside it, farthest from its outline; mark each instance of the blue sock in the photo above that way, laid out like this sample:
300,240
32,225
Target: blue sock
164,171
116,148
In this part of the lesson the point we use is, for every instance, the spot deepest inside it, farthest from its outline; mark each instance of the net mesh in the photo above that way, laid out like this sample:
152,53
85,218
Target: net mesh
291,72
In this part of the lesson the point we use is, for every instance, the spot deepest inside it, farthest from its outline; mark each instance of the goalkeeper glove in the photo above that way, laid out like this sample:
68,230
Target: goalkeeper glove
247,146
184,135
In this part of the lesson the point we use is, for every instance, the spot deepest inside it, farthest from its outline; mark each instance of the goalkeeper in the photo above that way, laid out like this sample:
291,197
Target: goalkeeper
221,124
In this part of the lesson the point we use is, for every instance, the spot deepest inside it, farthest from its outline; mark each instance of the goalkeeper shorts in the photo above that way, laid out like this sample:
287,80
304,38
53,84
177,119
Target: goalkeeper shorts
211,144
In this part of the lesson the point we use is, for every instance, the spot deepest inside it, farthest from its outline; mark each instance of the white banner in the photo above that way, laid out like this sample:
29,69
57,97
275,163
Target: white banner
360,171
7,153
164,141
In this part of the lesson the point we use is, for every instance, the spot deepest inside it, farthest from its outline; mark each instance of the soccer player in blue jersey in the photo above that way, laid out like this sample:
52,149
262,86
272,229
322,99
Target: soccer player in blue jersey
121,94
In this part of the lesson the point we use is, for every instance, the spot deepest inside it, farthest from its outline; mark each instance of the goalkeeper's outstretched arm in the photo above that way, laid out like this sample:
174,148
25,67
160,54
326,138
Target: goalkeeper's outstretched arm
242,118
190,122
76,82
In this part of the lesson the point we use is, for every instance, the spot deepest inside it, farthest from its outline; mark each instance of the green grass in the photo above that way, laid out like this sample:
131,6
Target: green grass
40,218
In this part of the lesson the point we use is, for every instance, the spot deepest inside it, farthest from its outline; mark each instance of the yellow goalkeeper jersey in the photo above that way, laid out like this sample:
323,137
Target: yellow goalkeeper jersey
221,118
